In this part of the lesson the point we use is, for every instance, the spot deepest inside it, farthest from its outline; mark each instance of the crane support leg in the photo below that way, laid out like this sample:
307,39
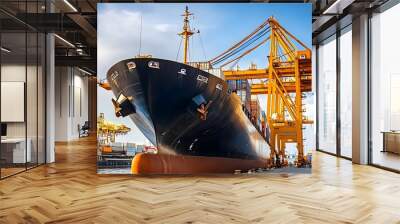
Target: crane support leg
299,108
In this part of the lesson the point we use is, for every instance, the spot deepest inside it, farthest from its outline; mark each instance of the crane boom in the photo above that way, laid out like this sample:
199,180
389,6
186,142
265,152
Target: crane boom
285,79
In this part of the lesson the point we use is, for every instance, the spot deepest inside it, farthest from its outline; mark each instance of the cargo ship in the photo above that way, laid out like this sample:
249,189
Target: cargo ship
197,123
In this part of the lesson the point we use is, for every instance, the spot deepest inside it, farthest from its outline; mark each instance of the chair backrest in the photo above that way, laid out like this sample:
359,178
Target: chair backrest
86,125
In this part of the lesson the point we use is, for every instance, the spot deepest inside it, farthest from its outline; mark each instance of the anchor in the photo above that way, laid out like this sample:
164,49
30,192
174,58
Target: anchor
203,110
123,106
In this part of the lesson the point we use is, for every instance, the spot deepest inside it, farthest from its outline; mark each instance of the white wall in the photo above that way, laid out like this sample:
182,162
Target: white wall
61,103
71,102
16,73
33,127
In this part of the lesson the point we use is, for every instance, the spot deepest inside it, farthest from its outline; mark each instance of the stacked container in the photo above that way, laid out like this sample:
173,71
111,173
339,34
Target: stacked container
255,110
251,104
264,123
242,89
140,148
130,149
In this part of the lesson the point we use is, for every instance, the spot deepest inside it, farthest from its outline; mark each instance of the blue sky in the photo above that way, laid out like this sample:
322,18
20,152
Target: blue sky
221,25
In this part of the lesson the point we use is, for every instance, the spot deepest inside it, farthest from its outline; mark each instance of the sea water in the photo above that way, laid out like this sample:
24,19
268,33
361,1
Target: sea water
114,171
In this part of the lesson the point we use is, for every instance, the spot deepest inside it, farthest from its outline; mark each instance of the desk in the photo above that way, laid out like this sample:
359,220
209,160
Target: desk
13,150
391,141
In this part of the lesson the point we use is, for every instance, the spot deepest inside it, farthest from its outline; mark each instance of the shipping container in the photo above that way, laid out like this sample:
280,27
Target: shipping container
140,148
117,147
263,116
130,149
216,72
242,90
207,67
203,65
255,109
106,149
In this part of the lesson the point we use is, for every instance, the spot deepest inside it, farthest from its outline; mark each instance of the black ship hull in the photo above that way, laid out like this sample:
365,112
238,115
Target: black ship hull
163,98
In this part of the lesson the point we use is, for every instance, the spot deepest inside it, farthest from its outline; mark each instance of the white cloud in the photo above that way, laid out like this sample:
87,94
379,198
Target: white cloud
118,39
163,27
119,33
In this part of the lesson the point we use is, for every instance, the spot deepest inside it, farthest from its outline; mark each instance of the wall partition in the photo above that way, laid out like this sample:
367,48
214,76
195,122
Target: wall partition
22,88
14,155
71,103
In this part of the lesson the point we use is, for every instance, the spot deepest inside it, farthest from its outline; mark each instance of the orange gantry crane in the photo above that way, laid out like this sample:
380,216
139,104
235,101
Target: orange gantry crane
286,78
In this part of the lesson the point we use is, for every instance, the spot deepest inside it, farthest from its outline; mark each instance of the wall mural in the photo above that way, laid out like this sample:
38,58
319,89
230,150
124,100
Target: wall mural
204,88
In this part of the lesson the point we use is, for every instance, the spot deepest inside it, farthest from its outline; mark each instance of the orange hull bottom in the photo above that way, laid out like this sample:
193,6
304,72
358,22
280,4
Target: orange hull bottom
178,164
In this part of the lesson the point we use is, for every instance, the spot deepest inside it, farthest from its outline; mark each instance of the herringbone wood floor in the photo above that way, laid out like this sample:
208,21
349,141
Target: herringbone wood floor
70,191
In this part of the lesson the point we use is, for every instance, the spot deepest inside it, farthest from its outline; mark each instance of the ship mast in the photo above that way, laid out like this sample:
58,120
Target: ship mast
186,33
